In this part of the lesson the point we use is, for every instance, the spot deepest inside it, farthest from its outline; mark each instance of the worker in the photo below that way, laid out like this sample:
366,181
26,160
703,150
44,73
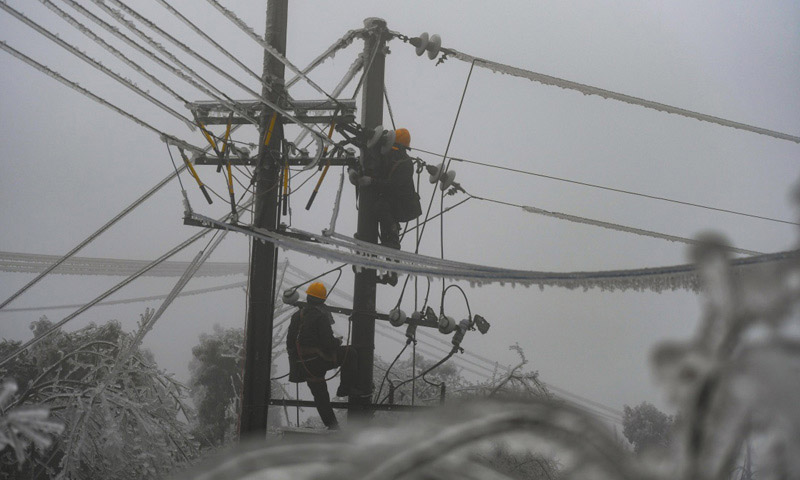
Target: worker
313,351
397,198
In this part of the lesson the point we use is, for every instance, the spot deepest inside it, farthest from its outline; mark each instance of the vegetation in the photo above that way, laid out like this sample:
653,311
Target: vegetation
123,418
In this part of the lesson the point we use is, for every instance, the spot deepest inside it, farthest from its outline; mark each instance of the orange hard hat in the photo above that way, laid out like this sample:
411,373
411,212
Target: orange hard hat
402,137
317,289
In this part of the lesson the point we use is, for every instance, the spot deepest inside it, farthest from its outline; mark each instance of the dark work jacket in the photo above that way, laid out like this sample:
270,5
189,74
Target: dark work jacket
395,180
310,329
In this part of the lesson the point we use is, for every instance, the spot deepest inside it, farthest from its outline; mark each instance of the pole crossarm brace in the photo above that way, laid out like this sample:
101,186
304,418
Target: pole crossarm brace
211,112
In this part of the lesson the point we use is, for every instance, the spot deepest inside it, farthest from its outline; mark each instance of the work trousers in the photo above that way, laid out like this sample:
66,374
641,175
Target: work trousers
388,226
347,359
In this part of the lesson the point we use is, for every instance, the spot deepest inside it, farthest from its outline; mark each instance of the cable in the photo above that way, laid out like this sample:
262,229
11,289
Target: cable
210,40
200,291
433,192
127,60
42,68
102,296
589,90
435,365
380,389
466,300
655,279
610,226
152,26
94,63
211,90
389,106
444,171
617,190
269,48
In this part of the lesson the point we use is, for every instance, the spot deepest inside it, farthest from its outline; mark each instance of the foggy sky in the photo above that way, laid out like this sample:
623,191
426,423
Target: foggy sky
71,164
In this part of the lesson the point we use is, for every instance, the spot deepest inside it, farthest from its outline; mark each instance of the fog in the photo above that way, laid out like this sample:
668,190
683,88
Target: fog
71,164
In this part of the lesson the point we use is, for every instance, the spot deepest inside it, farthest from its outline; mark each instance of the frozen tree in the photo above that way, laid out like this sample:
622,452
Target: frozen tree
645,426
123,417
216,383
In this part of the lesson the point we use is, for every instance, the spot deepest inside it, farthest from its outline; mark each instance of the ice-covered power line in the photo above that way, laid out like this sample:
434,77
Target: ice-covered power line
267,47
94,63
166,256
44,69
185,48
104,295
151,298
609,226
36,263
639,194
217,94
608,94
339,44
114,51
209,39
141,49
611,189
386,259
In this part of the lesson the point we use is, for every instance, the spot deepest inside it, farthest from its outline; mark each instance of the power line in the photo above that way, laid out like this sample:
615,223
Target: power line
610,226
114,51
218,94
42,68
589,90
94,63
611,189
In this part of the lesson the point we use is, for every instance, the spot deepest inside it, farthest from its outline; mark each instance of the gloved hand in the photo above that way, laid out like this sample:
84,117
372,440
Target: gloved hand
352,174
364,181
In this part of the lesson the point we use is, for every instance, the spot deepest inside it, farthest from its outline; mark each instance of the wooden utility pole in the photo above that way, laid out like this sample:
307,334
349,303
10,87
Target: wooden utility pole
264,256
364,286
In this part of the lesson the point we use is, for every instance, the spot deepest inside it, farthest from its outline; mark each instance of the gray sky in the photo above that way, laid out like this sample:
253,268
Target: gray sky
71,164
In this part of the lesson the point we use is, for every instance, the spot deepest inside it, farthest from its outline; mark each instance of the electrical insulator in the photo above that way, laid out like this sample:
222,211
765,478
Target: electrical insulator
461,330
446,324
432,44
291,296
397,317
435,172
375,137
411,330
447,180
481,323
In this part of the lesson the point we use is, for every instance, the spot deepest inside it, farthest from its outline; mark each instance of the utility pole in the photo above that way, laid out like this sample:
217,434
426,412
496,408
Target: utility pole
364,286
264,256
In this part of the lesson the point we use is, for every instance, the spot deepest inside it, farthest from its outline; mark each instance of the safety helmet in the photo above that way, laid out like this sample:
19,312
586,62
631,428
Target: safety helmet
402,137
317,289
